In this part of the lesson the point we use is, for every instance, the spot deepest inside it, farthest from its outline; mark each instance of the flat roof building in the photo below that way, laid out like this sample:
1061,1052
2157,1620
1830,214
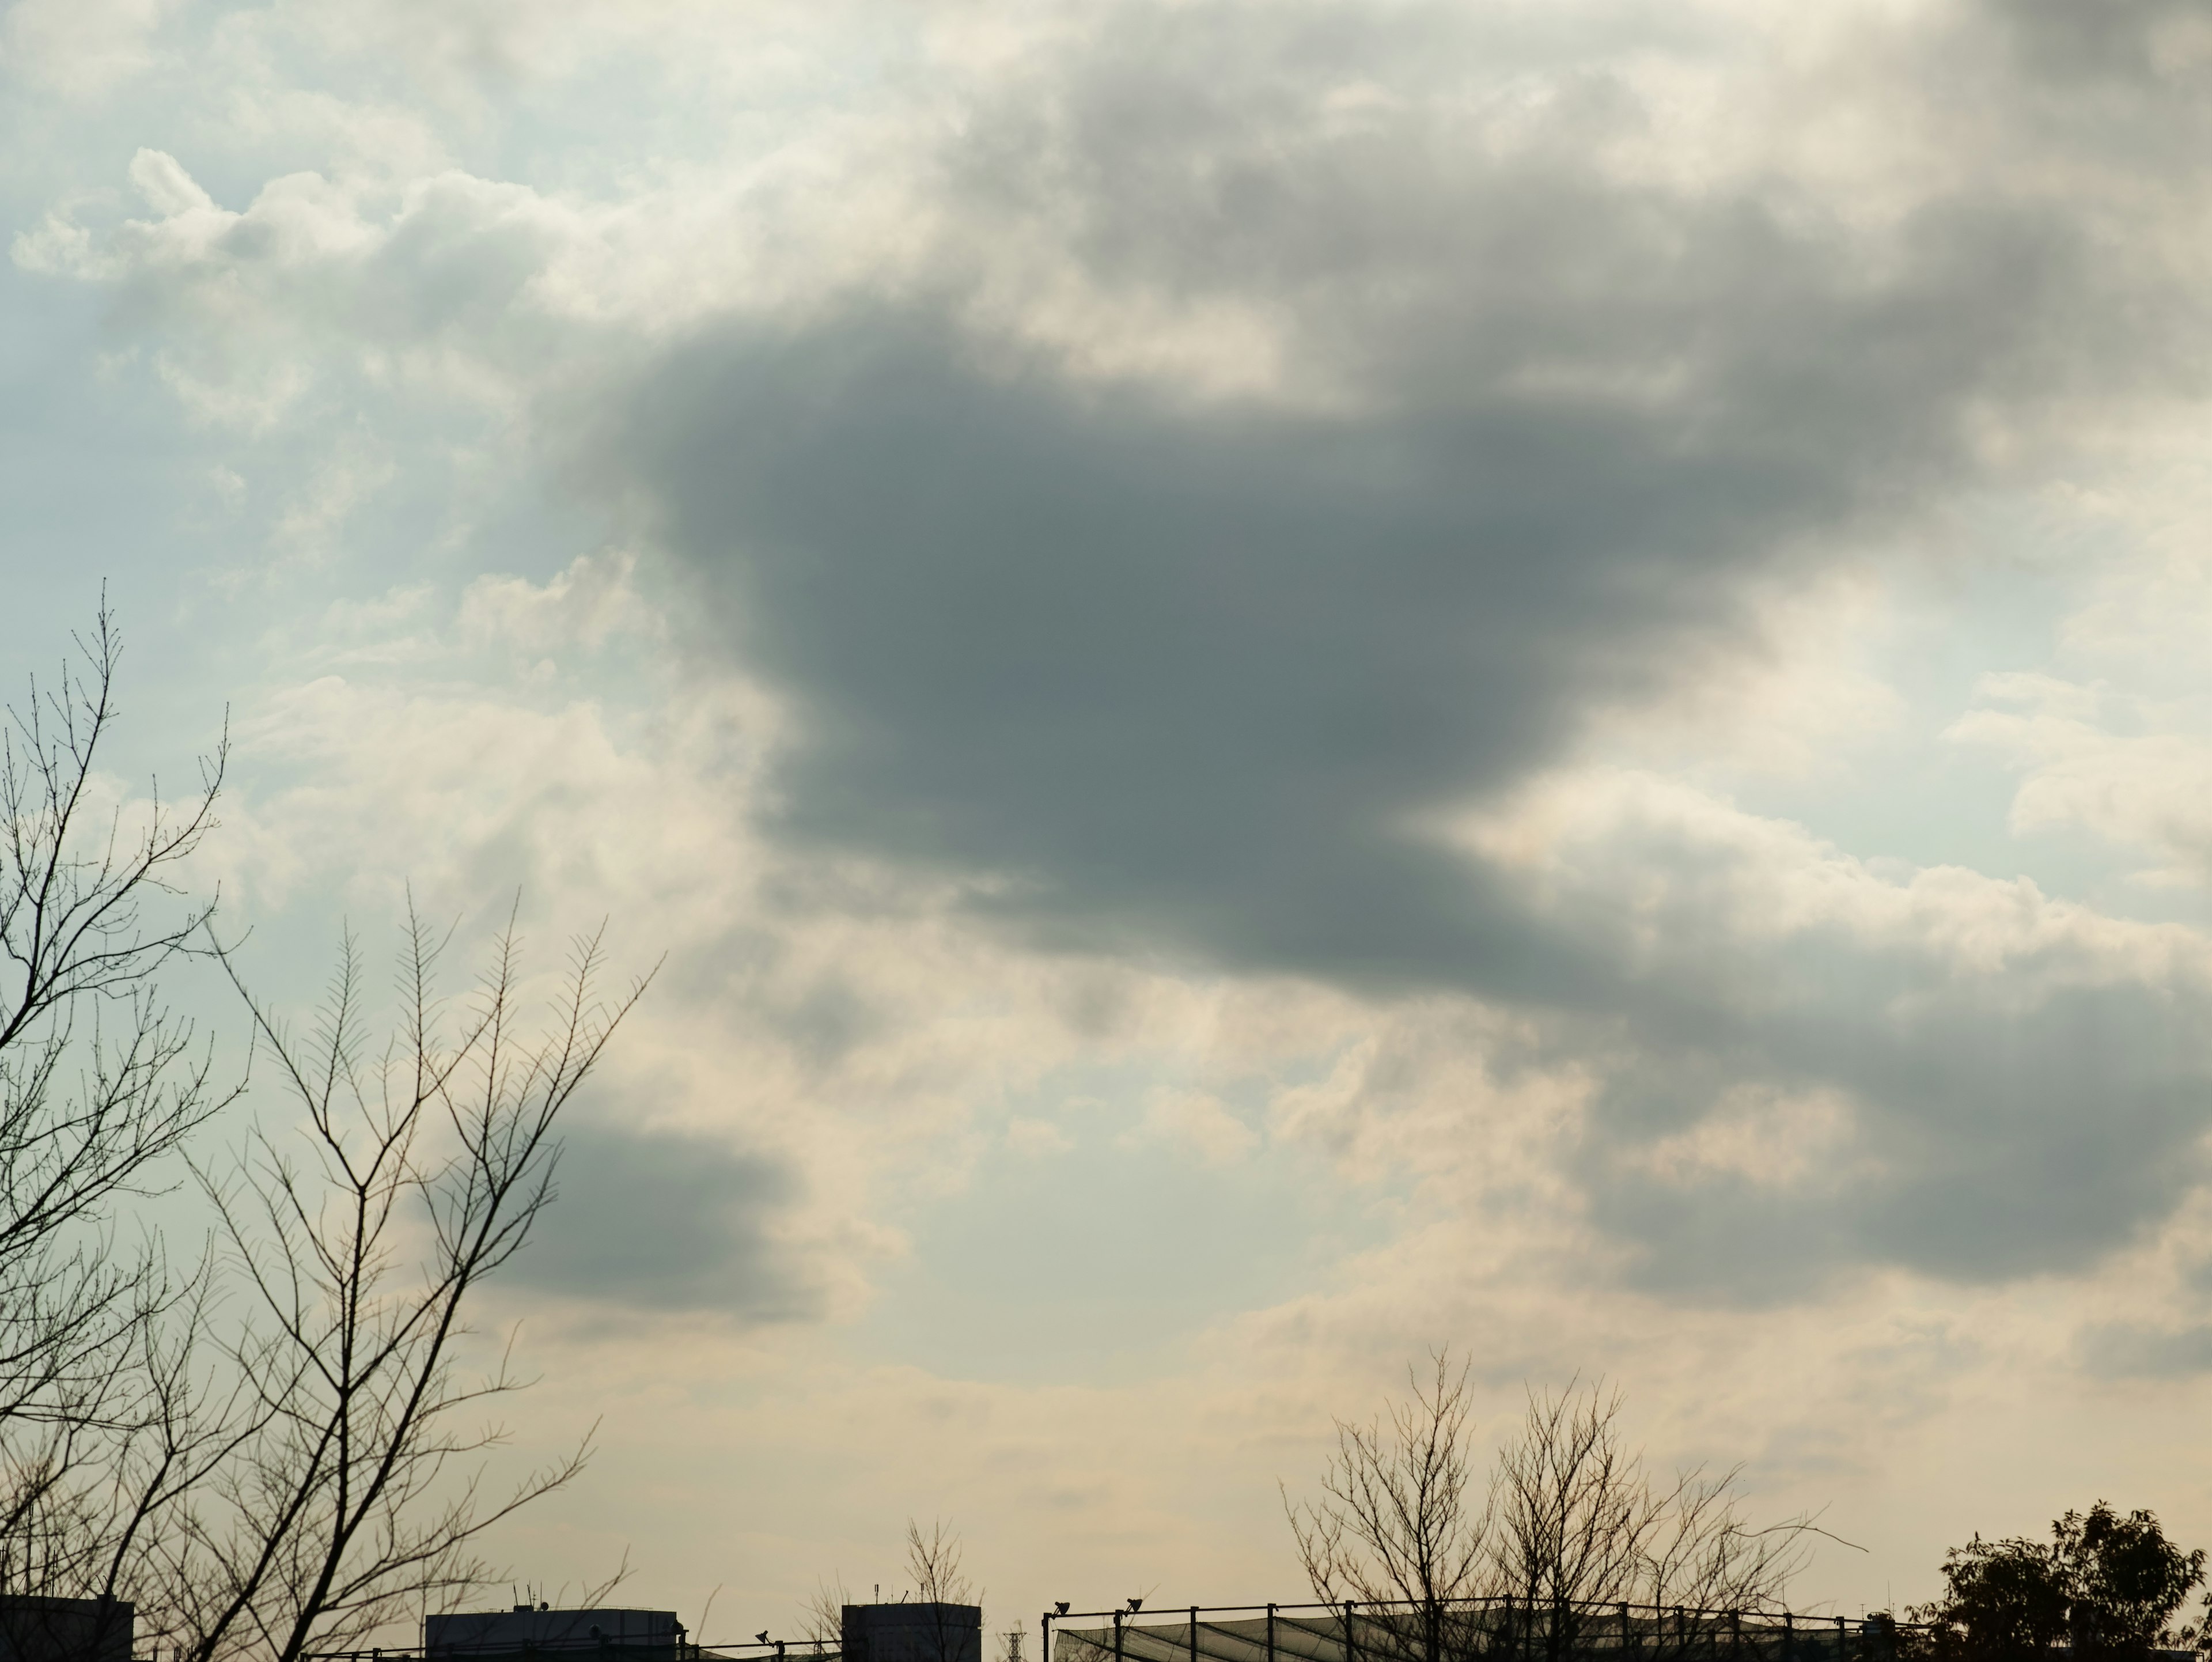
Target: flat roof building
911,1633
33,1629
535,1630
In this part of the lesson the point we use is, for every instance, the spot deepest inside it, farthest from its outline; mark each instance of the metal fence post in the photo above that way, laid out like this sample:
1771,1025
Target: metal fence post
1842,1641
1351,1643
1193,1634
1117,1636
1789,1637
1271,1635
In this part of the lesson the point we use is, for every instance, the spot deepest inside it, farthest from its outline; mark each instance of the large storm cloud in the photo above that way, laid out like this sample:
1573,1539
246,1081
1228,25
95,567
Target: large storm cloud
1199,672
1252,444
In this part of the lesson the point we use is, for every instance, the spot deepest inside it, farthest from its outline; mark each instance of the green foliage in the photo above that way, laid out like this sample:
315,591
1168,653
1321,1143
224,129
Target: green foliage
2127,1580
2104,1584
2001,1599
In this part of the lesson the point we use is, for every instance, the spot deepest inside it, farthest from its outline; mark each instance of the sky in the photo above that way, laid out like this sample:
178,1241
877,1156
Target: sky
1280,683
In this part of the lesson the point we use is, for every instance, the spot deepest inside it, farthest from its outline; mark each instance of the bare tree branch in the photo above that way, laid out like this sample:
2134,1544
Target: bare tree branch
822,1623
932,1559
1569,1528
1397,1522
100,1084
339,1506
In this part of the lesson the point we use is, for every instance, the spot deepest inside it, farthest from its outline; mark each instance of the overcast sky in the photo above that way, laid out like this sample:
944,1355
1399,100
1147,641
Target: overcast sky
1287,679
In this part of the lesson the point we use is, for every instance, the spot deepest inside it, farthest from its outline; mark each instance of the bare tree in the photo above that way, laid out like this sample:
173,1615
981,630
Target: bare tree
1399,1524
1575,1514
292,1484
1706,1556
933,1560
335,1510
1583,1527
99,1082
1582,1523
1569,1528
822,1623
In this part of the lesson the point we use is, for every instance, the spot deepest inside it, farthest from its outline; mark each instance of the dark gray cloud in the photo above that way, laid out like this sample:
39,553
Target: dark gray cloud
1993,1137
654,1221
2131,1350
2021,1107
1182,673
2141,44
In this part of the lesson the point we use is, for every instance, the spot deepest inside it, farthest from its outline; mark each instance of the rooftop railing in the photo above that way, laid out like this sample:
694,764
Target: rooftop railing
632,1648
1502,1629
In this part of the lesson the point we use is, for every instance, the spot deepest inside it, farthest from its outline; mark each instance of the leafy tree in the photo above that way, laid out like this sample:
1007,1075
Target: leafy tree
2001,1598
2106,1586
2126,1579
